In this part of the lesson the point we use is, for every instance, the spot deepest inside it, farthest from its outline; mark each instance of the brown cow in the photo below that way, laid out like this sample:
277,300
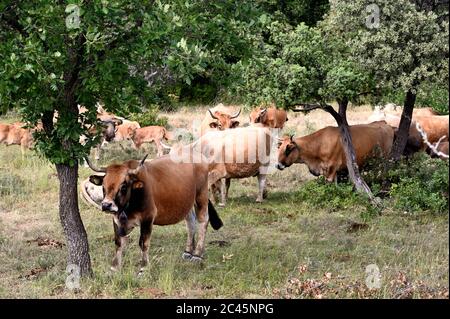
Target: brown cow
270,117
4,131
17,134
441,148
218,119
159,192
125,131
323,153
434,126
149,134
425,111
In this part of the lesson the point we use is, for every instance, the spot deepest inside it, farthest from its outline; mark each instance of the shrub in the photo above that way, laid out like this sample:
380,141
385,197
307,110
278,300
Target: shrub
424,188
149,117
419,183
322,194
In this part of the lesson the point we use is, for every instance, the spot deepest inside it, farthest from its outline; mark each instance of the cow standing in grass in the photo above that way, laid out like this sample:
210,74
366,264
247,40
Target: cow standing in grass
17,134
323,153
238,153
159,192
150,134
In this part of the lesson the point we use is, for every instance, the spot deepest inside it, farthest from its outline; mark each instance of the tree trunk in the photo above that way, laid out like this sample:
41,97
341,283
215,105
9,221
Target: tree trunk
403,130
350,156
76,237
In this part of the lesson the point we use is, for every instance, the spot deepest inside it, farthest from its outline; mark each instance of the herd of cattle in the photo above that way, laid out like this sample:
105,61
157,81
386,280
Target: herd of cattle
142,192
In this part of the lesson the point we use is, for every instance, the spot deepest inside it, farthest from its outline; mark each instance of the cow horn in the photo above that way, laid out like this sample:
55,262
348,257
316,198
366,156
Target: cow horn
212,115
136,170
292,137
95,169
264,110
237,114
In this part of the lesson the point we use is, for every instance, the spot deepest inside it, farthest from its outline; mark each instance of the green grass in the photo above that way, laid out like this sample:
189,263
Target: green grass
264,247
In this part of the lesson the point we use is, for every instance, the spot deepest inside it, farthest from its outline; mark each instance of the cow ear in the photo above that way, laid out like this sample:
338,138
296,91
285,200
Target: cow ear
96,179
213,125
234,124
138,185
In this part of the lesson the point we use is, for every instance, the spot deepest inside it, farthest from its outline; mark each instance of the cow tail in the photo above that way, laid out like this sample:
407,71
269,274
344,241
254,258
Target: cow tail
214,218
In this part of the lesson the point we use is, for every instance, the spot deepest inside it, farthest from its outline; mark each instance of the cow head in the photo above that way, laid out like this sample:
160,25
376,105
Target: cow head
288,152
109,128
261,116
223,121
118,183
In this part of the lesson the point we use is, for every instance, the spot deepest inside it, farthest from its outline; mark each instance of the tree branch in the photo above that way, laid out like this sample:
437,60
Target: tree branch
433,148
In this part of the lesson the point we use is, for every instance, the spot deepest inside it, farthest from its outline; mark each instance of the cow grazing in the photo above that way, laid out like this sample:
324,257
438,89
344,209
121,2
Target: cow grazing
238,153
159,192
149,134
218,119
270,117
17,134
323,152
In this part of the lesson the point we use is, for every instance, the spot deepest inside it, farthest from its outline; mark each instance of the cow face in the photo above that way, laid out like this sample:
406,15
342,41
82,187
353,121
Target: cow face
288,152
109,129
261,116
223,121
118,184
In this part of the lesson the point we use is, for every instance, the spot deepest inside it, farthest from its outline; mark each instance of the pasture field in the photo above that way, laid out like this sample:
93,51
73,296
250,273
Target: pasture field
282,248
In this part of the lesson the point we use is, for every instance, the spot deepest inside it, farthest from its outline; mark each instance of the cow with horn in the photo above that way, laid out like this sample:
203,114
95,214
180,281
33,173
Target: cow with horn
158,192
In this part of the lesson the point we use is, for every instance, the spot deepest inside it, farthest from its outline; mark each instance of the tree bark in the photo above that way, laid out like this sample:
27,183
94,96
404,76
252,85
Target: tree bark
403,130
76,237
350,156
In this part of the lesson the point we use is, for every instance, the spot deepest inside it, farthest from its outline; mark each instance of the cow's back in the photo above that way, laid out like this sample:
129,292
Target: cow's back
174,187
434,126
369,140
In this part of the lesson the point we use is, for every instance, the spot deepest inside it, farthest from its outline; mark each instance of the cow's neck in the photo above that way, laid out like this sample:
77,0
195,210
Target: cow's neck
307,150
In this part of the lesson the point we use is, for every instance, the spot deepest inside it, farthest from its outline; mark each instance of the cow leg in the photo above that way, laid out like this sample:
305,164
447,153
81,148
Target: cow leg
22,151
159,148
214,185
225,187
202,222
144,240
262,186
97,152
121,242
191,230
215,193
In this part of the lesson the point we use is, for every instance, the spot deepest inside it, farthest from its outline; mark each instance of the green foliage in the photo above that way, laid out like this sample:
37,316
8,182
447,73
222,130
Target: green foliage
400,55
301,65
322,194
417,184
422,185
149,118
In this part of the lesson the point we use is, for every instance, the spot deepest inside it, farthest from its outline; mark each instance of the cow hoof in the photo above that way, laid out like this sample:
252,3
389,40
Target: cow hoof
196,259
221,205
186,256
259,200
114,268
